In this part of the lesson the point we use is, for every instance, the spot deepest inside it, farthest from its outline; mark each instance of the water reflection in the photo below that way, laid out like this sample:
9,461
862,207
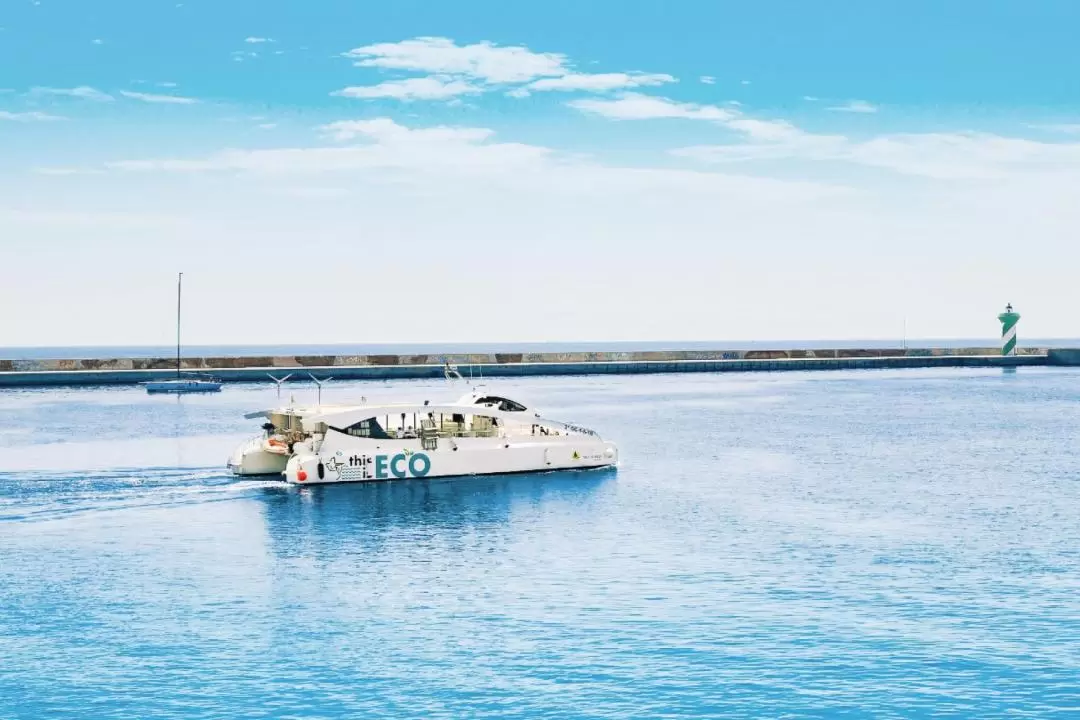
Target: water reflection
338,518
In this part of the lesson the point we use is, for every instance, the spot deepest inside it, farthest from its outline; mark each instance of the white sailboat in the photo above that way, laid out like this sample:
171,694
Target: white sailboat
182,384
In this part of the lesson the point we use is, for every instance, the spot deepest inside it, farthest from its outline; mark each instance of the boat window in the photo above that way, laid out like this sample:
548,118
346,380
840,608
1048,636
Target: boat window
502,403
369,428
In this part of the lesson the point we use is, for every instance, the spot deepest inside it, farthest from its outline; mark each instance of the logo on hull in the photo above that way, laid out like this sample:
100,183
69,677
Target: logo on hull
402,465
382,467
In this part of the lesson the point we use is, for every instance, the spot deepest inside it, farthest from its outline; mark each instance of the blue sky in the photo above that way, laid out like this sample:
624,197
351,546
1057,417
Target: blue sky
558,171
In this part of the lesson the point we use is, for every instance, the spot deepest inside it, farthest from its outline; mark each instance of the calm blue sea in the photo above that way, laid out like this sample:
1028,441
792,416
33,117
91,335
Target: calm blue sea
875,544
136,351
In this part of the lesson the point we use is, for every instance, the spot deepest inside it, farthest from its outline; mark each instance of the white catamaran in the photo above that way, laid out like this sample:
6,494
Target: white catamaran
182,384
477,434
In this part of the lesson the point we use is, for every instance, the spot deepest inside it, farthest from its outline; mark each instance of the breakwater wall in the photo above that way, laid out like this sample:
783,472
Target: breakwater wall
15,373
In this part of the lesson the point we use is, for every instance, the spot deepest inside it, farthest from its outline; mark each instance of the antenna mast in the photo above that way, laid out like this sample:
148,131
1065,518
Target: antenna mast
179,281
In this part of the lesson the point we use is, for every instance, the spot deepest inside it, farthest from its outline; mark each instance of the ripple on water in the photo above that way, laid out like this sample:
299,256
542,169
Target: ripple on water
890,544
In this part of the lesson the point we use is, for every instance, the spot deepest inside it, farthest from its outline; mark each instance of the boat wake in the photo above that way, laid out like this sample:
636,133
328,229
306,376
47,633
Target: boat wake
50,495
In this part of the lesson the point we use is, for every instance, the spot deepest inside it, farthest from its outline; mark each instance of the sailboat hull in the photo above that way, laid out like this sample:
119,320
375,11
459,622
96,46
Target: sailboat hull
182,386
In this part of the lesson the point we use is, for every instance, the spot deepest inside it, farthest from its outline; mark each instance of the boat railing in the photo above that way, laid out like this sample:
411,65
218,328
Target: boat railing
570,427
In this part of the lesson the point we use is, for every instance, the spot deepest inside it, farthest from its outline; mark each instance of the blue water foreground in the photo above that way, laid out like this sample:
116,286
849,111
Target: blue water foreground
871,544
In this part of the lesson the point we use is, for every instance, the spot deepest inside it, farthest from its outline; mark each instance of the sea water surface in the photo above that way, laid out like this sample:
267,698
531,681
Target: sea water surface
841,544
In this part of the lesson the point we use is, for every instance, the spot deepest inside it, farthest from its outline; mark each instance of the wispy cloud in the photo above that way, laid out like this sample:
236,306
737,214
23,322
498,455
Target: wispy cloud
82,92
453,70
166,84
389,145
855,106
423,88
810,98
600,82
258,40
97,41
943,156
160,99
1067,128
707,79
635,106
28,116
386,130
484,61
65,171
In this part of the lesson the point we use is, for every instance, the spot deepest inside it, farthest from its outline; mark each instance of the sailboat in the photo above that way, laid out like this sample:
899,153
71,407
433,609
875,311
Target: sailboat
182,384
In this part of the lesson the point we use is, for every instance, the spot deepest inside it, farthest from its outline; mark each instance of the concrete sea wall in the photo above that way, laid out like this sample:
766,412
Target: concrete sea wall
380,367
1067,357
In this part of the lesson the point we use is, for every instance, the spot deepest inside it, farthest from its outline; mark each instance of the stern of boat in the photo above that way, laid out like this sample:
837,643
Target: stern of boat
253,458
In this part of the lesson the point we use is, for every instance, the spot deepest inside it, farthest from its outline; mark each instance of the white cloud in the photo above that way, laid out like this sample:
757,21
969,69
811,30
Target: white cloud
167,84
28,116
389,146
82,92
943,156
159,99
599,82
964,155
768,130
258,40
386,130
635,106
63,171
1067,128
810,98
98,41
745,82
855,106
267,126
707,79
454,70
485,61
435,194
423,88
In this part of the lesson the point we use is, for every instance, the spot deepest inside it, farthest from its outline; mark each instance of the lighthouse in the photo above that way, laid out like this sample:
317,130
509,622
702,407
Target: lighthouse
1008,330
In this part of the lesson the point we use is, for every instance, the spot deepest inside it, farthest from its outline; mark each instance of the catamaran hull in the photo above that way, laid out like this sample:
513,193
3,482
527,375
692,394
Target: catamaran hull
253,458
379,464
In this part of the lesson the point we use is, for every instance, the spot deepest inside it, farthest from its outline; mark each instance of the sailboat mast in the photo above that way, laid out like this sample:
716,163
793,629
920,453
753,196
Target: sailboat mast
179,280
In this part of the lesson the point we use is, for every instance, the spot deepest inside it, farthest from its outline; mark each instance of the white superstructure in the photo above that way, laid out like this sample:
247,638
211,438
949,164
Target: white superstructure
477,434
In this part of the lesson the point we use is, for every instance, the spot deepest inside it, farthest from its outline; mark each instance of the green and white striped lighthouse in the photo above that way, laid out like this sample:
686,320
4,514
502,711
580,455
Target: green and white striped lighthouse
1008,330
